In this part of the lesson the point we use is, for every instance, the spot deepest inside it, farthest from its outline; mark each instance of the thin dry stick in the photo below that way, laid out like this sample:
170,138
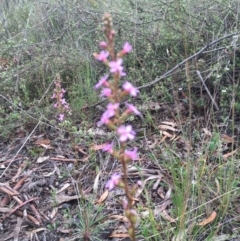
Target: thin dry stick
24,143
206,88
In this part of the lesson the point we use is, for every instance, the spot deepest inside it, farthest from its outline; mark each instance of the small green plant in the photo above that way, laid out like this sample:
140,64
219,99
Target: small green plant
90,221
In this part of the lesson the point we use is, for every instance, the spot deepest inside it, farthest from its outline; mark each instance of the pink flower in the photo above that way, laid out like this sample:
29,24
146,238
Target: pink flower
53,96
115,179
126,132
102,56
108,148
132,154
127,48
104,119
111,108
61,117
103,44
102,81
106,116
132,108
63,101
106,92
66,106
116,67
130,89
55,105
110,112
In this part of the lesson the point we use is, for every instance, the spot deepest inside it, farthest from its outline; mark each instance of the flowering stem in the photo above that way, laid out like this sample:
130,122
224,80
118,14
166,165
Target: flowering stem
129,198
113,117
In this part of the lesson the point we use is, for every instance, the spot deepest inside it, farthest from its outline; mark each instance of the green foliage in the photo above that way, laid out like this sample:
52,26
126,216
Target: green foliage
8,122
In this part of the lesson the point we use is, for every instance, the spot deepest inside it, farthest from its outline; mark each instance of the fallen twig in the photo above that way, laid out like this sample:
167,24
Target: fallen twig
208,92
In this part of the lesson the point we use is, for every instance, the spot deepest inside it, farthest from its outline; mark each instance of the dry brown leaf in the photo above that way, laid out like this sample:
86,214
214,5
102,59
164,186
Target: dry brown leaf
155,185
225,156
166,127
165,133
61,198
79,149
161,192
119,217
42,159
5,210
119,235
209,219
163,205
167,216
172,138
46,146
169,123
53,213
42,142
67,159
207,132
140,189
227,139
152,146
65,231
96,181
168,194
98,147
150,106
17,228
30,233
103,197
178,137
163,139
65,186
120,232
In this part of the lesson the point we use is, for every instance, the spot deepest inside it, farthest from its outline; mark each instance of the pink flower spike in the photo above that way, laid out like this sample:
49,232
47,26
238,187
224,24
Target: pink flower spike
116,67
132,154
61,117
103,44
115,178
102,56
108,148
126,132
130,89
132,108
127,48
102,81
55,105
106,92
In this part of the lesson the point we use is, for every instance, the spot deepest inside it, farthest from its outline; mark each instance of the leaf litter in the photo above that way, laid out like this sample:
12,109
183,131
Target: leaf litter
55,175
